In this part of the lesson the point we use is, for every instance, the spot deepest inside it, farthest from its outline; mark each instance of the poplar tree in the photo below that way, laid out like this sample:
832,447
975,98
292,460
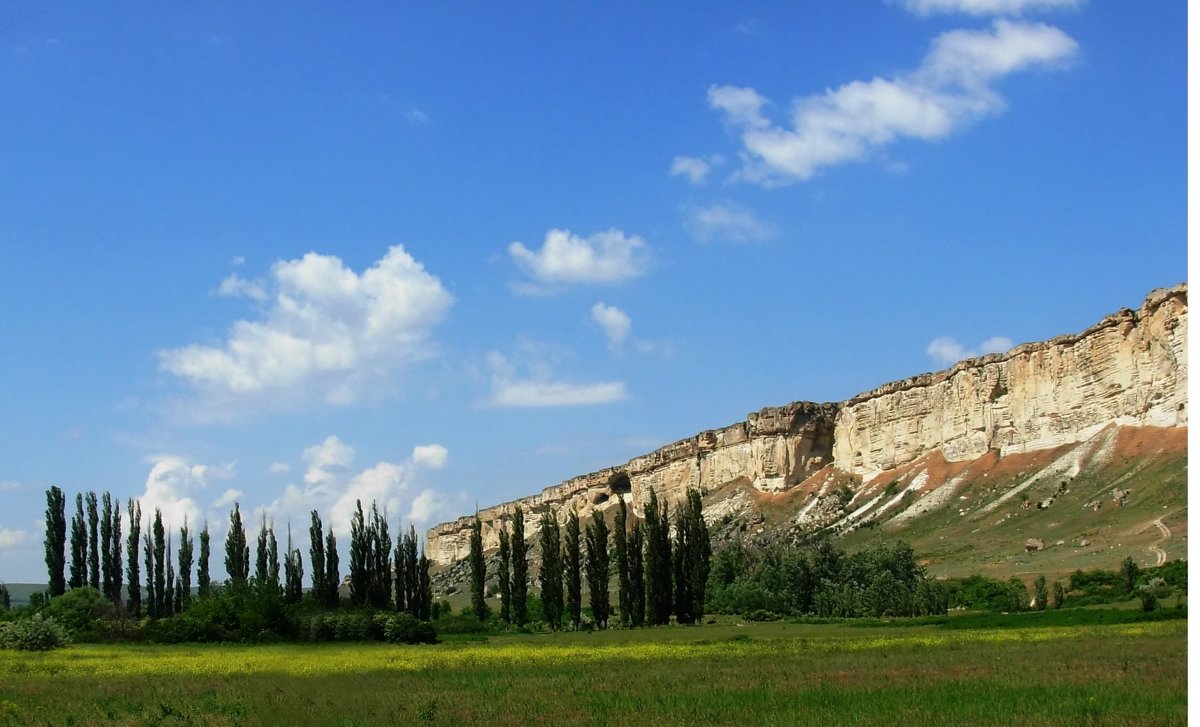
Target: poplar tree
424,588
151,597
78,571
478,570
5,597
597,568
133,575
657,562
412,571
237,551
316,556
621,546
160,565
56,540
185,566
203,583
93,517
114,557
167,608
106,536
381,560
573,566
505,577
293,569
520,569
333,579
402,575
637,582
692,554
360,557
550,574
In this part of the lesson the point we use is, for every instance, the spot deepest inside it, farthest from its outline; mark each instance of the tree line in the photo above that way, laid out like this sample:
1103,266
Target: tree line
383,574
658,576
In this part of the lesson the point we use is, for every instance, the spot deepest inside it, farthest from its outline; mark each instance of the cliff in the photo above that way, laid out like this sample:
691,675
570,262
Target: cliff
1130,369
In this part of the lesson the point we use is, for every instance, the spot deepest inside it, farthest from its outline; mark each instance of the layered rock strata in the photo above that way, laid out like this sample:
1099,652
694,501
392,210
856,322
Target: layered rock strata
1129,369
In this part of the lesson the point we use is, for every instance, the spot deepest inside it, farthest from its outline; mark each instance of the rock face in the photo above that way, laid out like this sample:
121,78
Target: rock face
1129,369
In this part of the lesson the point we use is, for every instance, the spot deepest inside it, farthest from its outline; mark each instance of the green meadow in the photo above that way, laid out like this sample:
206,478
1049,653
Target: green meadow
1028,673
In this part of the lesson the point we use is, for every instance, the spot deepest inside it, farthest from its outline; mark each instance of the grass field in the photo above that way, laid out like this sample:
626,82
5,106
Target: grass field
1124,674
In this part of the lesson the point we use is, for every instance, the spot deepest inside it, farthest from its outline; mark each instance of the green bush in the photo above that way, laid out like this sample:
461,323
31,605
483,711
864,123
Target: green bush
78,609
33,634
402,628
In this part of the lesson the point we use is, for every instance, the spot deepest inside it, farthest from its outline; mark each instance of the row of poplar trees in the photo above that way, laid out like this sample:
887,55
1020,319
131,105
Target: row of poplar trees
657,576
96,546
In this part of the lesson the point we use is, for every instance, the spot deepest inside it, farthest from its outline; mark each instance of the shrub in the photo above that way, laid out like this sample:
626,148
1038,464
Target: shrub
78,608
402,628
33,634
1149,600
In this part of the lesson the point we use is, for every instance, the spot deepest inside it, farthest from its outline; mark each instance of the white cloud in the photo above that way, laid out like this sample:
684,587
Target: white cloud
173,484
13,538
236,286
727,222
986,7
279,468
537,387
565,258
227,498
696,170
614,321
428,508
327,332
433,456
950,90
416,116
945,350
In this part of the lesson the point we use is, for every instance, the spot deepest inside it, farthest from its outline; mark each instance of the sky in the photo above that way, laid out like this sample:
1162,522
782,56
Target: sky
445,255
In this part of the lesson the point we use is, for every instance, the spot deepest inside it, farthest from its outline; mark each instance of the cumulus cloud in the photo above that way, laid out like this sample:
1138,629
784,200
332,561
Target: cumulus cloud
227,498
945,350
727,222
236,286
615,323
13,538
696,170
326,332
948,91
279,468
986,7
332,485
528,380
173,485
565,258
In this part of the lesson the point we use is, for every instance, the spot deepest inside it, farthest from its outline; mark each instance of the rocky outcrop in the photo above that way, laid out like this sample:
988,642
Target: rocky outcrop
1129,369
774,449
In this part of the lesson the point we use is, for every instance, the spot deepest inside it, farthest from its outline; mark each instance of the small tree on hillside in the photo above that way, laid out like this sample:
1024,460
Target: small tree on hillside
1129,574
574,570
1040,596
1060,595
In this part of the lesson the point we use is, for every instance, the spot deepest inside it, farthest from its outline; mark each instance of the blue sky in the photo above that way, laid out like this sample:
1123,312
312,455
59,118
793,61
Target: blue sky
443,255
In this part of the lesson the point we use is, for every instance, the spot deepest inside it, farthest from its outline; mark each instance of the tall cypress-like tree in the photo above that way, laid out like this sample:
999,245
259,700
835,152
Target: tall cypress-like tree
637,581
316,556
133,571
657,563
78,571
333,579
114,557
573,566
402,576
621,546
692,557
203,582
597,568
360,557
151,596
160,565
186,546
106,535
412,571
93,516
237,550
5,597
424,588
381,560
169,593
293,569
550,574
505,576
478,571
56,540
520,569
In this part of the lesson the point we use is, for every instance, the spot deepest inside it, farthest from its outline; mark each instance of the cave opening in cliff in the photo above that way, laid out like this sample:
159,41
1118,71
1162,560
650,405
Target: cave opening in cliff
620,485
